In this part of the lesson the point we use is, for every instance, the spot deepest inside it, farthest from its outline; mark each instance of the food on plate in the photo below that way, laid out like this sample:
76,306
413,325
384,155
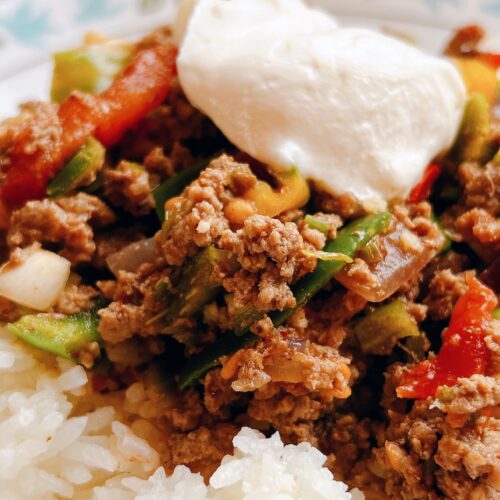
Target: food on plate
255,254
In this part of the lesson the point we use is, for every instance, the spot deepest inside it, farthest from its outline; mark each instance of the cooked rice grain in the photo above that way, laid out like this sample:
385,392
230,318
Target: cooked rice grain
47,452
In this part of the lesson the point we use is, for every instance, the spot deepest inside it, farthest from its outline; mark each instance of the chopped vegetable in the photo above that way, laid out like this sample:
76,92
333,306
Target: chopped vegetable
318,224
349,241
474,131
479,76
138,90
90,69
496,313
292,192
463,352
328,255
75,337
446,238
423,189
381,329
490,58
35,279
404,255
80,170
194,286
131,257
174,186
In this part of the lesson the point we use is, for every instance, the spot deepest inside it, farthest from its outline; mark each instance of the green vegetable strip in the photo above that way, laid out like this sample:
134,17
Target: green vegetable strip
472,141
90,69
496,313
193,287
349,240
65,336
174,187
315,223
80,169
380,330
447,240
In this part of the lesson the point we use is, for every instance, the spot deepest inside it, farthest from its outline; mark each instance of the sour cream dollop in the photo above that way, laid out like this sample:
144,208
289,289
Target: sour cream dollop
355,110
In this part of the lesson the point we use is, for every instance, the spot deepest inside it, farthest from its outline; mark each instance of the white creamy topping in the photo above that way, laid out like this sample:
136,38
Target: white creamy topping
355,110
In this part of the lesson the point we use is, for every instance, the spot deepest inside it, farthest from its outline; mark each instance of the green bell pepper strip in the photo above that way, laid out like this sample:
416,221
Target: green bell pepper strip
66,336
349,240
472,140
174,186
193,287
315,223
79,170
496,313
379,331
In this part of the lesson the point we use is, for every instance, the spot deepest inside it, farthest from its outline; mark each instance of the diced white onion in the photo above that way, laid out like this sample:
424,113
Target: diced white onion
37,281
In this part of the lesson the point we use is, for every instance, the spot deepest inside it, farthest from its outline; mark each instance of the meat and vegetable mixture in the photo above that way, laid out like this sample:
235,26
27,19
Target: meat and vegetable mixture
220,294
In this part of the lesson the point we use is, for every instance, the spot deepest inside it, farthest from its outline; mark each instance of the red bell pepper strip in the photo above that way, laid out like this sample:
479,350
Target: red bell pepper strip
423,189
142,87
463,352
490,58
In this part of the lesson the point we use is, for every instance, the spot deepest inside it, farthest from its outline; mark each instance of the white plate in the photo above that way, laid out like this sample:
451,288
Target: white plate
30,30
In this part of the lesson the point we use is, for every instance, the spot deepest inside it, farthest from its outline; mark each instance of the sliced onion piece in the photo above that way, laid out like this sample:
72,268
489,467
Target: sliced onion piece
400,264
131,257
35,279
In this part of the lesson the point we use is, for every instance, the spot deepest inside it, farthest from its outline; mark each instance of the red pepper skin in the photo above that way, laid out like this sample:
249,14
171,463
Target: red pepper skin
139,89
463,352
423,189
490,58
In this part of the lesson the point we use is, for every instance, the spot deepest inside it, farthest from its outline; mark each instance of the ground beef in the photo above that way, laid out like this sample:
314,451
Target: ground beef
474,447
345,205
346,439
9,311
157,163
128,186
136,309
282,356
218,395
492,341
481,185
465,450
197,217
479,224
202,449
37,127
175,131
120,321
271,257
445,289
470,394
67,222
75,298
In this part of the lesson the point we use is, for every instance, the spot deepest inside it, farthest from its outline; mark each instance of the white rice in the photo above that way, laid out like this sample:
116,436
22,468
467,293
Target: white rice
46,452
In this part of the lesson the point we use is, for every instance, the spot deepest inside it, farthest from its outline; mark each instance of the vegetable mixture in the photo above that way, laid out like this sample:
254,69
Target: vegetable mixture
141,244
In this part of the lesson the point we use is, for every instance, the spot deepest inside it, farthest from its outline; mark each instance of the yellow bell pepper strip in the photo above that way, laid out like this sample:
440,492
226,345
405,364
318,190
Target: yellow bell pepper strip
80,170
479,77
349,240
292,192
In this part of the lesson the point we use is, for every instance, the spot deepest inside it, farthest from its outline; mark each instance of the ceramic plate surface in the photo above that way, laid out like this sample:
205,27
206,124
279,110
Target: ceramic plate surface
30,30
